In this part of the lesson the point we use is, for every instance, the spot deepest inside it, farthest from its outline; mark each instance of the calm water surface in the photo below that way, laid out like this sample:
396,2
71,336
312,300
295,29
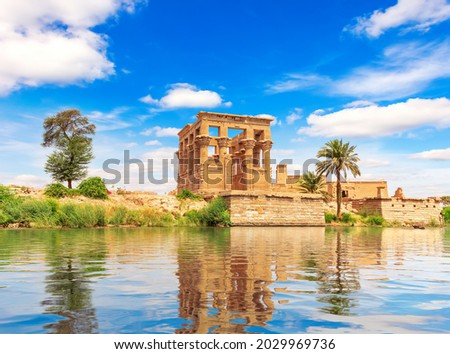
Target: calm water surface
238,280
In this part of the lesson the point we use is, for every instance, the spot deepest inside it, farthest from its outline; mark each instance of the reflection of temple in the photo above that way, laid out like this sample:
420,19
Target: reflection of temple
230,291
222,292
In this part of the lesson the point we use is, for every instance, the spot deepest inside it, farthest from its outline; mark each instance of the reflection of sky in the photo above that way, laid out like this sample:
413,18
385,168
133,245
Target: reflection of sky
291,280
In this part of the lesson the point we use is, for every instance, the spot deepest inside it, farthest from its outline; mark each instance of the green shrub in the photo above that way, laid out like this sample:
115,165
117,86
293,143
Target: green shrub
215,213
13,210
348,218
56,190
377,220
5,193
81,215
93,187
329,218
100,215
135,217
187,194
446,215
41,212
3,218
118,217
191,217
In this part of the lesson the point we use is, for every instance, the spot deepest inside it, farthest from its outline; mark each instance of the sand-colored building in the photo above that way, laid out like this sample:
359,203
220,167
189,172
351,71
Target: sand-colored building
225,152
229,155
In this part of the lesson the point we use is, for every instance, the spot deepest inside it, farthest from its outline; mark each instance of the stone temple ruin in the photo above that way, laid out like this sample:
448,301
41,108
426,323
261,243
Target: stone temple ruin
229,155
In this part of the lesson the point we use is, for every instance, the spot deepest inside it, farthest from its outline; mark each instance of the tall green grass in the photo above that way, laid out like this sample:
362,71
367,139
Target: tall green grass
50,212
446,215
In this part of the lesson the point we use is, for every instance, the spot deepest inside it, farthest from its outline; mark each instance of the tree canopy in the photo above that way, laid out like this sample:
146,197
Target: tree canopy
69,133
339,158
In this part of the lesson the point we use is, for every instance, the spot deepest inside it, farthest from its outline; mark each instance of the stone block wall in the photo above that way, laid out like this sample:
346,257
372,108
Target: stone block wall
274,209
407,211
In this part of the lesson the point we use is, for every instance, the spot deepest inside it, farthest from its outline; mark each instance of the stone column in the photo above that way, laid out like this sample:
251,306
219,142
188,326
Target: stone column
249,144
267,146
202,143
223,142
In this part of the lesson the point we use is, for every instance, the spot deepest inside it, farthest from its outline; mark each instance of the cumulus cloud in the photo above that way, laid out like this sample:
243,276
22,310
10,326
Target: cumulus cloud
161,132
184,95
295,115
377,121
438,155
401,71
410,14
52,42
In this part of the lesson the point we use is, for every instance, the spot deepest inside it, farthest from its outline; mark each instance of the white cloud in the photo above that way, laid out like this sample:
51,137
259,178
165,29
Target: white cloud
376,121
152,143
319,112
438,155
29,180
183,95
374,163
359,103
294,116
51,41
413,14
109,120
401,71
149,100
269,116
296,82
283,153
161,132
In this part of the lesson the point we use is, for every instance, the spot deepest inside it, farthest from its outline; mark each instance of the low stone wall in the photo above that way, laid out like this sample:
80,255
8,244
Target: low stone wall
274,209
406,211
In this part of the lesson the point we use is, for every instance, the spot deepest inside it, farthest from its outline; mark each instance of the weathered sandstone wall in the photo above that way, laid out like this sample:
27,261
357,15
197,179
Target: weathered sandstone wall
274,209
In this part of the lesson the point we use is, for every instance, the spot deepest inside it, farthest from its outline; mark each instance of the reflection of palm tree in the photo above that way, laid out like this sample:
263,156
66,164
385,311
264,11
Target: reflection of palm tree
69,289
338,285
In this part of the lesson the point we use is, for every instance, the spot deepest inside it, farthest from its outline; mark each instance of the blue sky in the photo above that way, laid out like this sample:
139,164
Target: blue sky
376,73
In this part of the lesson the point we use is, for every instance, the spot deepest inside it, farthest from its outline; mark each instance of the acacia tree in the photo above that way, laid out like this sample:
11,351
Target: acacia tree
340,158
69,133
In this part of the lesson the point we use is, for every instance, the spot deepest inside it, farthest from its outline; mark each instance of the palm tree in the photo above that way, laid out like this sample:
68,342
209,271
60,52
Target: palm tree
313,183
340,158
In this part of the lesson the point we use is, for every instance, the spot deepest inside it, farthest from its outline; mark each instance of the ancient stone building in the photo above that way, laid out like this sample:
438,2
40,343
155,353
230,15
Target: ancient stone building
229,155
360,189
225,152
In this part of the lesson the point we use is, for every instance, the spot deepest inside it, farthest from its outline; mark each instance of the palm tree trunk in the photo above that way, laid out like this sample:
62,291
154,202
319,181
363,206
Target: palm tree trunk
69,184
338,193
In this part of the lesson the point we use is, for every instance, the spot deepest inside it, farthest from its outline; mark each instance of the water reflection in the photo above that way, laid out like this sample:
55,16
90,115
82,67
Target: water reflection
238,280
69,284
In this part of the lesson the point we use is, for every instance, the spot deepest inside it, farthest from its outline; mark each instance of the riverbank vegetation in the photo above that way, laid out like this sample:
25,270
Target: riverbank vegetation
367,219
52,212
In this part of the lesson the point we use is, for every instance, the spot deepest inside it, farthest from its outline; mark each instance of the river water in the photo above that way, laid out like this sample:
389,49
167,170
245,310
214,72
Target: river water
231,280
